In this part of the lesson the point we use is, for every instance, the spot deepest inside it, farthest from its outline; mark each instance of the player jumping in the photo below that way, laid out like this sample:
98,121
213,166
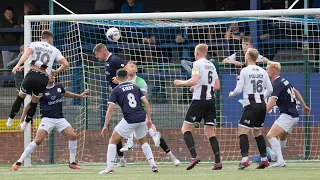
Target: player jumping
52,118
135,119
284,95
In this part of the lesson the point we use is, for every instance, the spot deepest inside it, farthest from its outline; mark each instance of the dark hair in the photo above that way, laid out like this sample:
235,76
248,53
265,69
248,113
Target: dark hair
46,34
121,73
8,9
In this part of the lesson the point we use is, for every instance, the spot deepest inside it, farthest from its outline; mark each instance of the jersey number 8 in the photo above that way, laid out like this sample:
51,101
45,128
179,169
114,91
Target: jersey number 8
132,100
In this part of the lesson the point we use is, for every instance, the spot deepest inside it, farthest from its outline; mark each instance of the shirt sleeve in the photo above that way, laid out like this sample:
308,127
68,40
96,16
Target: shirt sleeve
119,63
260,56
59,56
142,85
113,97
141,95
277,88
240,84
32,46
196,68
232,57
269,88
63,90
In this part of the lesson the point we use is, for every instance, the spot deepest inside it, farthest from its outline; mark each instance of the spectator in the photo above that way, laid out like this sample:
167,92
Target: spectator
27,7
268,48
18,77
132,7
237,58
9,38
104,6
234,35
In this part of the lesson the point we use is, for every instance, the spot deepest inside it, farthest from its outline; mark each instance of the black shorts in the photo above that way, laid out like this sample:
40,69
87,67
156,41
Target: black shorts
202,109
34,83
253,115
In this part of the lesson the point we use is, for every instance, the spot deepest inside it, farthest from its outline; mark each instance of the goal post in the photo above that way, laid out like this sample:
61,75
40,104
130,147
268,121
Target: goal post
160,43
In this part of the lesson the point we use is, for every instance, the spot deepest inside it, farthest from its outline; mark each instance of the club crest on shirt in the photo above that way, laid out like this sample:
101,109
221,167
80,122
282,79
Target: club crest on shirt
47,94
59,90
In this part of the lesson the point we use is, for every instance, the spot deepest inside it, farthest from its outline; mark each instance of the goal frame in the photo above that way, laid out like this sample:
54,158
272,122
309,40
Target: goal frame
167,15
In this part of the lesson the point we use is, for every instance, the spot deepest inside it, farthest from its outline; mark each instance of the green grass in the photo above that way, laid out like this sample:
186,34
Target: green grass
298,171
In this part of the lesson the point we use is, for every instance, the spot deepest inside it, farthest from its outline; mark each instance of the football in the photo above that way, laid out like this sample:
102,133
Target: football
113,34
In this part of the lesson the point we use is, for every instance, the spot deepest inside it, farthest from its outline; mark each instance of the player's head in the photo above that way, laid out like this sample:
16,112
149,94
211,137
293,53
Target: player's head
47,36
101,52
201,51
51,78
122,75
131,68
273,69
246,44
251,56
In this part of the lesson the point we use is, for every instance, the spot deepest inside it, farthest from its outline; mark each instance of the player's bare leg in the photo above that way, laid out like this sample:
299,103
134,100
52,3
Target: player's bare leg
276,131
41,135
15,108
211,136
112,152
261,143
31,111
72,136
188,138
157,137
244,147
148,153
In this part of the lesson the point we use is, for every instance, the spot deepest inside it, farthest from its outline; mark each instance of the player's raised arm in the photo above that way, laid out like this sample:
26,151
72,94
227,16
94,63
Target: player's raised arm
73,95
239,87
23,58
269,88
306,109
193,80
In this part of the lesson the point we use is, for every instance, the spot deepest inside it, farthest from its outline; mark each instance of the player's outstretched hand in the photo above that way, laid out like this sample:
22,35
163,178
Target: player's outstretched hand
15,69
230,94
177,83
54,72
104,130
191,89
149,123
84,94
306,110
114,80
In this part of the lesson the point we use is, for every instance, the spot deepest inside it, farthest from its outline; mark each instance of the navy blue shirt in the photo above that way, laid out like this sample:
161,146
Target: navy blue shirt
111,65
51,101
136,8
283,91
129,96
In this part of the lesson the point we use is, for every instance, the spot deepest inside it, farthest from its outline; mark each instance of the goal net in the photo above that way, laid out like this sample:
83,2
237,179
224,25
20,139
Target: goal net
163,47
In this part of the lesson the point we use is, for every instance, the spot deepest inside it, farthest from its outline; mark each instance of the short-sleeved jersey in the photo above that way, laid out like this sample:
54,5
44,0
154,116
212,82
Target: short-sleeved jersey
44,55
238,56
51,102
208,76
111,65
141,83
129,96
254,81
286,100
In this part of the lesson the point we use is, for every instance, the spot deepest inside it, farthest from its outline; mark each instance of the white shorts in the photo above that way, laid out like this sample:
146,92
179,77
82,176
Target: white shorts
48,124
287,122
124,129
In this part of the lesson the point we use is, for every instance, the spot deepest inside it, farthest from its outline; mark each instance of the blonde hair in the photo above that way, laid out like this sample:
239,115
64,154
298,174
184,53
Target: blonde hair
253,54
99,47
202,49
276,65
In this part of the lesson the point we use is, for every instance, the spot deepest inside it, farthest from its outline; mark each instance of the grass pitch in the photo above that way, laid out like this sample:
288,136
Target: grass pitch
294,171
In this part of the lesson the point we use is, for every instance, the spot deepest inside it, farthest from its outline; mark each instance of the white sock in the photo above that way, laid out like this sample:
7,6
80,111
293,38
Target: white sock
148,153
73,151
111,155
10,120
130,139
283,144
264,158
275,145
30,148
244,159
151,132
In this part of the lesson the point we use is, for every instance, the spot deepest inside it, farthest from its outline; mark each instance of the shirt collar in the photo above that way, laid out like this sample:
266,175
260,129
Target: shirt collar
276,77
108,56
